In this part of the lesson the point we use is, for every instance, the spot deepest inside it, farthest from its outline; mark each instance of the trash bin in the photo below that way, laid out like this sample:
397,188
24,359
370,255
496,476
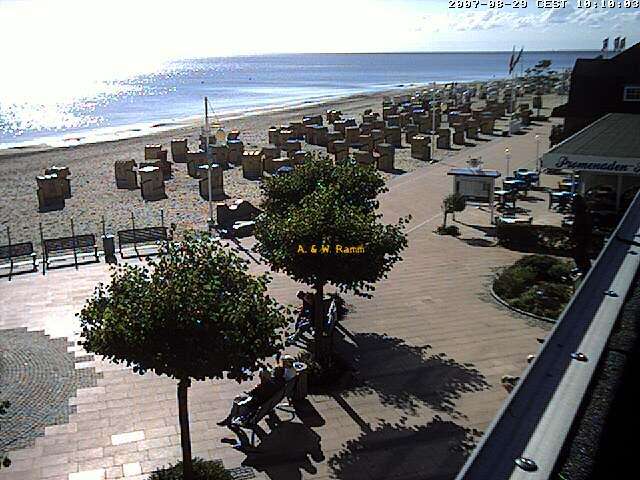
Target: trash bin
302,383
109,248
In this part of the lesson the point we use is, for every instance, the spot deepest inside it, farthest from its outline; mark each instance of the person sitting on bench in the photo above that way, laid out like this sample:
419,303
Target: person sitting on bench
304,322
268,386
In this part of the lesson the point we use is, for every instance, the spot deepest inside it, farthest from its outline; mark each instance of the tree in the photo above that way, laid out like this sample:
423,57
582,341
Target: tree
320,226
451,204
5,461
195,313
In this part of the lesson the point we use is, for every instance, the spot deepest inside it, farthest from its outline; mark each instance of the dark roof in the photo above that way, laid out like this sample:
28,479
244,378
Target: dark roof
602,67
614,135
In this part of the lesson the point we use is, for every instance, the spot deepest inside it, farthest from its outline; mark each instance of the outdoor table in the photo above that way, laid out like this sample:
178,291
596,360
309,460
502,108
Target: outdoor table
515,184
563,199
503,195
568,184
528,176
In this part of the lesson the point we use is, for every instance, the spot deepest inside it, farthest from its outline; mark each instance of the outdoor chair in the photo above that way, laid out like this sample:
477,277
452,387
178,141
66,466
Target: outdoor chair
250,420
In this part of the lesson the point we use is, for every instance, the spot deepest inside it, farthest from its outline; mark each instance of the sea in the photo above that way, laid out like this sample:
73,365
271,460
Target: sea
61,111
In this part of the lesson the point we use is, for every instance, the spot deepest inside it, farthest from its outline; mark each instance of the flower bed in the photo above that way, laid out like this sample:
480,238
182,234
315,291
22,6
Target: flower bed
537,284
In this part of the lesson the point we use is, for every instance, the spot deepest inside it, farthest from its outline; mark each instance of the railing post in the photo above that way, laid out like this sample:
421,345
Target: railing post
44,258
10,253
75,245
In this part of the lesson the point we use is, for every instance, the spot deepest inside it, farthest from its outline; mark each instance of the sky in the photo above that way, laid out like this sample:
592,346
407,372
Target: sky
94,37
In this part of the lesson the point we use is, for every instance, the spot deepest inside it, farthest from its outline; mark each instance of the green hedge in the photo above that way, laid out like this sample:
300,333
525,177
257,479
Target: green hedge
537,284
202,470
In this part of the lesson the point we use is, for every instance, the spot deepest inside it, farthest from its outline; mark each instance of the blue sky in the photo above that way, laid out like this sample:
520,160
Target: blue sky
129,34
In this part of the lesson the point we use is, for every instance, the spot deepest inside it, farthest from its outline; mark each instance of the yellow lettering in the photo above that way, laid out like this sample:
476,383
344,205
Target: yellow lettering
314,249
324,249
301,249
338,248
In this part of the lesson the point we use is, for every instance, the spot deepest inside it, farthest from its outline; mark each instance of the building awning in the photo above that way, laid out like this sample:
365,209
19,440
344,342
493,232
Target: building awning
609,145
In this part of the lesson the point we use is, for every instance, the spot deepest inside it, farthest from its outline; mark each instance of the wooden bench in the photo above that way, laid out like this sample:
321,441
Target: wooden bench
80,246
148,236
250,421
17,255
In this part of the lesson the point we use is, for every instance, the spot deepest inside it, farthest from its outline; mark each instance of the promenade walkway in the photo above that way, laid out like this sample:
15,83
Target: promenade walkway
429,350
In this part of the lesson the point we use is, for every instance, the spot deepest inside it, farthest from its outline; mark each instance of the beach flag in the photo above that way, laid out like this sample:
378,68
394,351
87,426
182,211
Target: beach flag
616,44
605,44
623,42
513,57
513,61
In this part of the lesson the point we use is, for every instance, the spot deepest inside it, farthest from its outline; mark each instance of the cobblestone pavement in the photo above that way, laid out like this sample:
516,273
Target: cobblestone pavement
428,350
38,376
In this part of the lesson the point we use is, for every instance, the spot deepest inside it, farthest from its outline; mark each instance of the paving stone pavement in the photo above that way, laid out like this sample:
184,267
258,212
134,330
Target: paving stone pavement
428,351
38,376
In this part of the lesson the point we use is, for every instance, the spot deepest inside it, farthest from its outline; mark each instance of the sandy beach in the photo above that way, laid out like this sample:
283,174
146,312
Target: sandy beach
94,193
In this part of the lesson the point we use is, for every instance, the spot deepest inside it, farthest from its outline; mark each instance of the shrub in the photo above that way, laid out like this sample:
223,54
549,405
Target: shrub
450,230
537,284
202,470
544,299
513,281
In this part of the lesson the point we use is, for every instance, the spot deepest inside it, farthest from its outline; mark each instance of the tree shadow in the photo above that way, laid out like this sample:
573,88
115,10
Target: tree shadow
436,450
286,451
479,242
489,231
405,376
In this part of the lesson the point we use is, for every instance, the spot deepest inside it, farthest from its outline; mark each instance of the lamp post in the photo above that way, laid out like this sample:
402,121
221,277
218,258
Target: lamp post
209,159
433,127
507,156
538,166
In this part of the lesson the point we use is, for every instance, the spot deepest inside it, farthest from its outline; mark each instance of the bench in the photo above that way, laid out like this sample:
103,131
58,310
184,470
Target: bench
250,421
142,236
59,248
16,255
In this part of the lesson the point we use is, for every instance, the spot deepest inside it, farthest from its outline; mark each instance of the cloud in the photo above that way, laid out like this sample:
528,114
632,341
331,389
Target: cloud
498,19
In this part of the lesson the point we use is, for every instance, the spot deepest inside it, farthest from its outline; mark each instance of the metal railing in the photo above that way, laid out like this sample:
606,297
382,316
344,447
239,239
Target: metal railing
526,438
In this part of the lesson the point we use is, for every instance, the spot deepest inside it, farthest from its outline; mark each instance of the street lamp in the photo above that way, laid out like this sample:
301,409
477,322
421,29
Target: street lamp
433,127
507,156
538,153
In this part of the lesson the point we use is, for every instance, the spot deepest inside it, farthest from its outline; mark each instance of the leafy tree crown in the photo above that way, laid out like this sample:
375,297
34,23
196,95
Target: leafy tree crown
195,313
323,206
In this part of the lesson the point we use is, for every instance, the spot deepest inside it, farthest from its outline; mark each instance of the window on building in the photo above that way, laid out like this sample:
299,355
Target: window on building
632,93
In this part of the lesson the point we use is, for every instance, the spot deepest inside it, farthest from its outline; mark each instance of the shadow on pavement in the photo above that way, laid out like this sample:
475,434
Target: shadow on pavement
286,451
436,450
404,376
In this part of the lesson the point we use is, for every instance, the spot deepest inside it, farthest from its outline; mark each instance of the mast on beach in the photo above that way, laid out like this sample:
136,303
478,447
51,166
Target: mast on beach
209,158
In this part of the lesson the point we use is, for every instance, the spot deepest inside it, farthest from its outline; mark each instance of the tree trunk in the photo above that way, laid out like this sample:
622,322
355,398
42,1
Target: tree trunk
185,436
444,225
318,323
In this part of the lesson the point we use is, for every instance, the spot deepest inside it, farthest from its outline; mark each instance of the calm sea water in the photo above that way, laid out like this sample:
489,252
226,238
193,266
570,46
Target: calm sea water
63,112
